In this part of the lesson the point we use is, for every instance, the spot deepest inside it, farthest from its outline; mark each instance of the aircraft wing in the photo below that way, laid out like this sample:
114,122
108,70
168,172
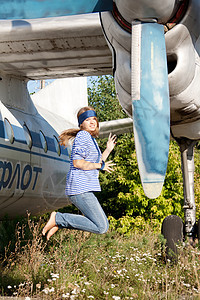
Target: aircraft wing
57,47
115,127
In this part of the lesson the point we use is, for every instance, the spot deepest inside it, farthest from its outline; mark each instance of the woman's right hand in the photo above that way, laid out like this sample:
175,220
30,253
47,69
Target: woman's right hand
108,166
111,142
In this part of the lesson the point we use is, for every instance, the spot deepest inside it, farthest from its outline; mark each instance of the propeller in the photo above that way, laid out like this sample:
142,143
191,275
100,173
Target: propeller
31,9
151,109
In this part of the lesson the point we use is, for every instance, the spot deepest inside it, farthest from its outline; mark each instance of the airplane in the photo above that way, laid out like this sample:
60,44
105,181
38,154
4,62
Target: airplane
152,49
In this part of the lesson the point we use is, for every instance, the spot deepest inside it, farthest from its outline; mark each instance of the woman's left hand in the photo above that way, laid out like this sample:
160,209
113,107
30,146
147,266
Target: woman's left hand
111,142
109,166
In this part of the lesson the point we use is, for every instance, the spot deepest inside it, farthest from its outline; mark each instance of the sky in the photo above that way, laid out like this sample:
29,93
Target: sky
35,85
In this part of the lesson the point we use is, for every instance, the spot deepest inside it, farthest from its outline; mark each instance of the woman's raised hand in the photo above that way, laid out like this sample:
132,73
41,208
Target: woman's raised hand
111,142
110,145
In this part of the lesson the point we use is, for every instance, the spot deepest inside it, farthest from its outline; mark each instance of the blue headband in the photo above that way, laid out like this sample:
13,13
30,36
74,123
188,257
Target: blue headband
85,115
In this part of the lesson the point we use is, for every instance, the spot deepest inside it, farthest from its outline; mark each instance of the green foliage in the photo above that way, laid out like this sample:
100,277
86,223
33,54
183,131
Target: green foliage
127,224
123,195
102,97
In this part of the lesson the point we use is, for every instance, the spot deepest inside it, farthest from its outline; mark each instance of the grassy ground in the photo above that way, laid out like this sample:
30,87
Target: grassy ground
80,265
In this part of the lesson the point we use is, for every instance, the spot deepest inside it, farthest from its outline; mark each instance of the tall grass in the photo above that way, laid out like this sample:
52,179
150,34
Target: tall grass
80,265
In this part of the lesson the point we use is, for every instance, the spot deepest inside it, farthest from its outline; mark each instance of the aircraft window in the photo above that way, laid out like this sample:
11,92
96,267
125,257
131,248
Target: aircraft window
57,145
43,141
28,136
9,131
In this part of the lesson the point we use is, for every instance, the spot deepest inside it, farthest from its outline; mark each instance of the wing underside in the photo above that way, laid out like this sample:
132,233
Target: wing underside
54,47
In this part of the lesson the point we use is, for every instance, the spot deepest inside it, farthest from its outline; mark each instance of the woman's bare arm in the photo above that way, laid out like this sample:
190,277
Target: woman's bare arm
86,165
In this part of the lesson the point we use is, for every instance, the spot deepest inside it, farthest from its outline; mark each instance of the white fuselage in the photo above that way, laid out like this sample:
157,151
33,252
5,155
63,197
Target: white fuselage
33,166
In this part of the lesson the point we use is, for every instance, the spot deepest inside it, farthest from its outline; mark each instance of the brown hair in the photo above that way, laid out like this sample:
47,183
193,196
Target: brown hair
69,134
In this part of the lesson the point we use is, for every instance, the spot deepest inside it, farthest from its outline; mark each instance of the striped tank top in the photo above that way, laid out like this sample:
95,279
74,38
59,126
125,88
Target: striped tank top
80,181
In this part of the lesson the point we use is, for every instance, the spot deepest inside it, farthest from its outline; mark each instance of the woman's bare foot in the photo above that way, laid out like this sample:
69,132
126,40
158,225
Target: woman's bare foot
51,232
50,224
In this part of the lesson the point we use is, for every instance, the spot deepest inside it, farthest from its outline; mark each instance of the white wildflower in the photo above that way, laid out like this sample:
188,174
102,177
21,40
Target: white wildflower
186,284
65,295
116,297
21,285
46,291
54,275
112,285
87,283
74,291
9,287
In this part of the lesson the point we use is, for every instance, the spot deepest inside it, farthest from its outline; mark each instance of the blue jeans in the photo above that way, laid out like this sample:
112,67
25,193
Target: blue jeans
93,219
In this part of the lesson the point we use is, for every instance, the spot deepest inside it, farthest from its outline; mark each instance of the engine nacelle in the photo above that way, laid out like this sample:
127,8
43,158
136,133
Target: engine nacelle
182,49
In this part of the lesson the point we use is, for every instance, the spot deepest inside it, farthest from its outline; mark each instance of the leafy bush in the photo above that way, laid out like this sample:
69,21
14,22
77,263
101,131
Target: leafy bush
123,197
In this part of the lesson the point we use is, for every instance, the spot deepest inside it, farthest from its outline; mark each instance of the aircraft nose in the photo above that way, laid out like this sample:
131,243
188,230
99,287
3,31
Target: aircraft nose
161,10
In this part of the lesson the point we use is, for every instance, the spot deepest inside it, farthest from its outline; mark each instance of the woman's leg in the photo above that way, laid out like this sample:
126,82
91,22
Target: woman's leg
93,219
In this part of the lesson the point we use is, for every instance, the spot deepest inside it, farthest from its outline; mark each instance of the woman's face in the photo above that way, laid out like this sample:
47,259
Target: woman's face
90,124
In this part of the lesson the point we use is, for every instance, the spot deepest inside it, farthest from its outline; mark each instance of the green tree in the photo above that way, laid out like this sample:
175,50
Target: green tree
102,97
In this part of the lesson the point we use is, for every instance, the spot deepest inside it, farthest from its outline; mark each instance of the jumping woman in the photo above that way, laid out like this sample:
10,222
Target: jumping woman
83,177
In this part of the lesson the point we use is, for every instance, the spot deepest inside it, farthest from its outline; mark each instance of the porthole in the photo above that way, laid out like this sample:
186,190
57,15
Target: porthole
9,131
43,141
28,136
57,145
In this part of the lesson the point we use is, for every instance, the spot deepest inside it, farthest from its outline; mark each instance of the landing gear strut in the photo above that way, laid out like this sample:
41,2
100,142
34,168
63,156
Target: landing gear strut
173,228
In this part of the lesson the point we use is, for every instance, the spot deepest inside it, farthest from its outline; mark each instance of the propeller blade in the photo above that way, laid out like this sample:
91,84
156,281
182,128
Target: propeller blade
151,109
31,9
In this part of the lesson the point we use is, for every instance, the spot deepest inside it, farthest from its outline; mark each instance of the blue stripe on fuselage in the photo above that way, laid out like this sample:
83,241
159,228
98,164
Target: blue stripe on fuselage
20,138
32,152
